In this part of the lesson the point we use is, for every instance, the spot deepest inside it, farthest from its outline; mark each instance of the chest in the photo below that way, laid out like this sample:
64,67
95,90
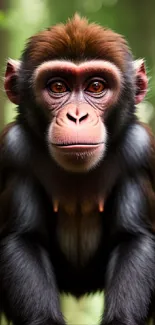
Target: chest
79,229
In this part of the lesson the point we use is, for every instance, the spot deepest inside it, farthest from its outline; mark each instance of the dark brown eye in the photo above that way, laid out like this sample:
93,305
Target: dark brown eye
96,86
57,87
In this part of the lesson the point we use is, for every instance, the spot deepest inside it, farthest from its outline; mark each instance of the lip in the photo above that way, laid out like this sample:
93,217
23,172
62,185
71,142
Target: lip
78,148
77,145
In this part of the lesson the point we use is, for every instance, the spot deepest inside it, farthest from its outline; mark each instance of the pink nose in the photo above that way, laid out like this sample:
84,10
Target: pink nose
77,119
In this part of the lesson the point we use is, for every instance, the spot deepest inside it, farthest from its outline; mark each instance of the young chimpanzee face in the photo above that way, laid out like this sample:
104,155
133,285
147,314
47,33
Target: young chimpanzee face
80,78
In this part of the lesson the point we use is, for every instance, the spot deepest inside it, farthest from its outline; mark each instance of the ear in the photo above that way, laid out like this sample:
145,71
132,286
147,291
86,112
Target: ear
10,80
141,80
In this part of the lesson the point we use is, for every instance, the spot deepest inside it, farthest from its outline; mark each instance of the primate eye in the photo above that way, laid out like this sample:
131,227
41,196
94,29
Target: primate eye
96,86
57,87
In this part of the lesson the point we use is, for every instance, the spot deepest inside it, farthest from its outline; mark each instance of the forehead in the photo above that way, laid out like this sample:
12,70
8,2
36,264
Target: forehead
77,41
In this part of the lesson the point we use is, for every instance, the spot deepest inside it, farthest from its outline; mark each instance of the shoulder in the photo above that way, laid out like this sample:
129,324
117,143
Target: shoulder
15,145
4,133
138,146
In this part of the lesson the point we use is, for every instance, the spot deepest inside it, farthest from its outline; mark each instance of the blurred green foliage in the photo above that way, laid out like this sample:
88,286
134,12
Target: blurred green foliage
85,311
2,18
19,19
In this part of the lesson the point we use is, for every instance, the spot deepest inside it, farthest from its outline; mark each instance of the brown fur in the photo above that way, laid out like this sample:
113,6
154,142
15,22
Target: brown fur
77,40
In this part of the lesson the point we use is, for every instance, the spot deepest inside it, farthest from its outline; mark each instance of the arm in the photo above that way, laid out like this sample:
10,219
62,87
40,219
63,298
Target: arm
28,283
130,278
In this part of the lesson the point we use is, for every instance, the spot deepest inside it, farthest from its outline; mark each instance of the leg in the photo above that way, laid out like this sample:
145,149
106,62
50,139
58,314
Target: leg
27,283
130,281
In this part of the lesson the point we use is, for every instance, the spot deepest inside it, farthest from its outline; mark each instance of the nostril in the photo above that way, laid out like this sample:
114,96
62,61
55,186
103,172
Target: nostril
77,119
71,118
83,117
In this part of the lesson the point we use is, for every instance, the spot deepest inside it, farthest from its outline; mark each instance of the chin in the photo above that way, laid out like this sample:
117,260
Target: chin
78,158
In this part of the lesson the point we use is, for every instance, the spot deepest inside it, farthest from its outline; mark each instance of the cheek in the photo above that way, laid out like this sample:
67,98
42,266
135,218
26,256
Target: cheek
111,97
51,103
77,158
43,98
106,102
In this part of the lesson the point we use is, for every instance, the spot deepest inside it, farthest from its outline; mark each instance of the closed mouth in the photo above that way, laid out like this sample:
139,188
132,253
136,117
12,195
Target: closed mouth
77,144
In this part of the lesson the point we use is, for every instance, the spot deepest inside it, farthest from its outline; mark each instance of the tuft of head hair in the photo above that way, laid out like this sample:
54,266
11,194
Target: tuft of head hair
77,41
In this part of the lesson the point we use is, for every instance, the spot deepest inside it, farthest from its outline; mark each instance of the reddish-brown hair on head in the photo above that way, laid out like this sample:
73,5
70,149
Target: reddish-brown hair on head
77,41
